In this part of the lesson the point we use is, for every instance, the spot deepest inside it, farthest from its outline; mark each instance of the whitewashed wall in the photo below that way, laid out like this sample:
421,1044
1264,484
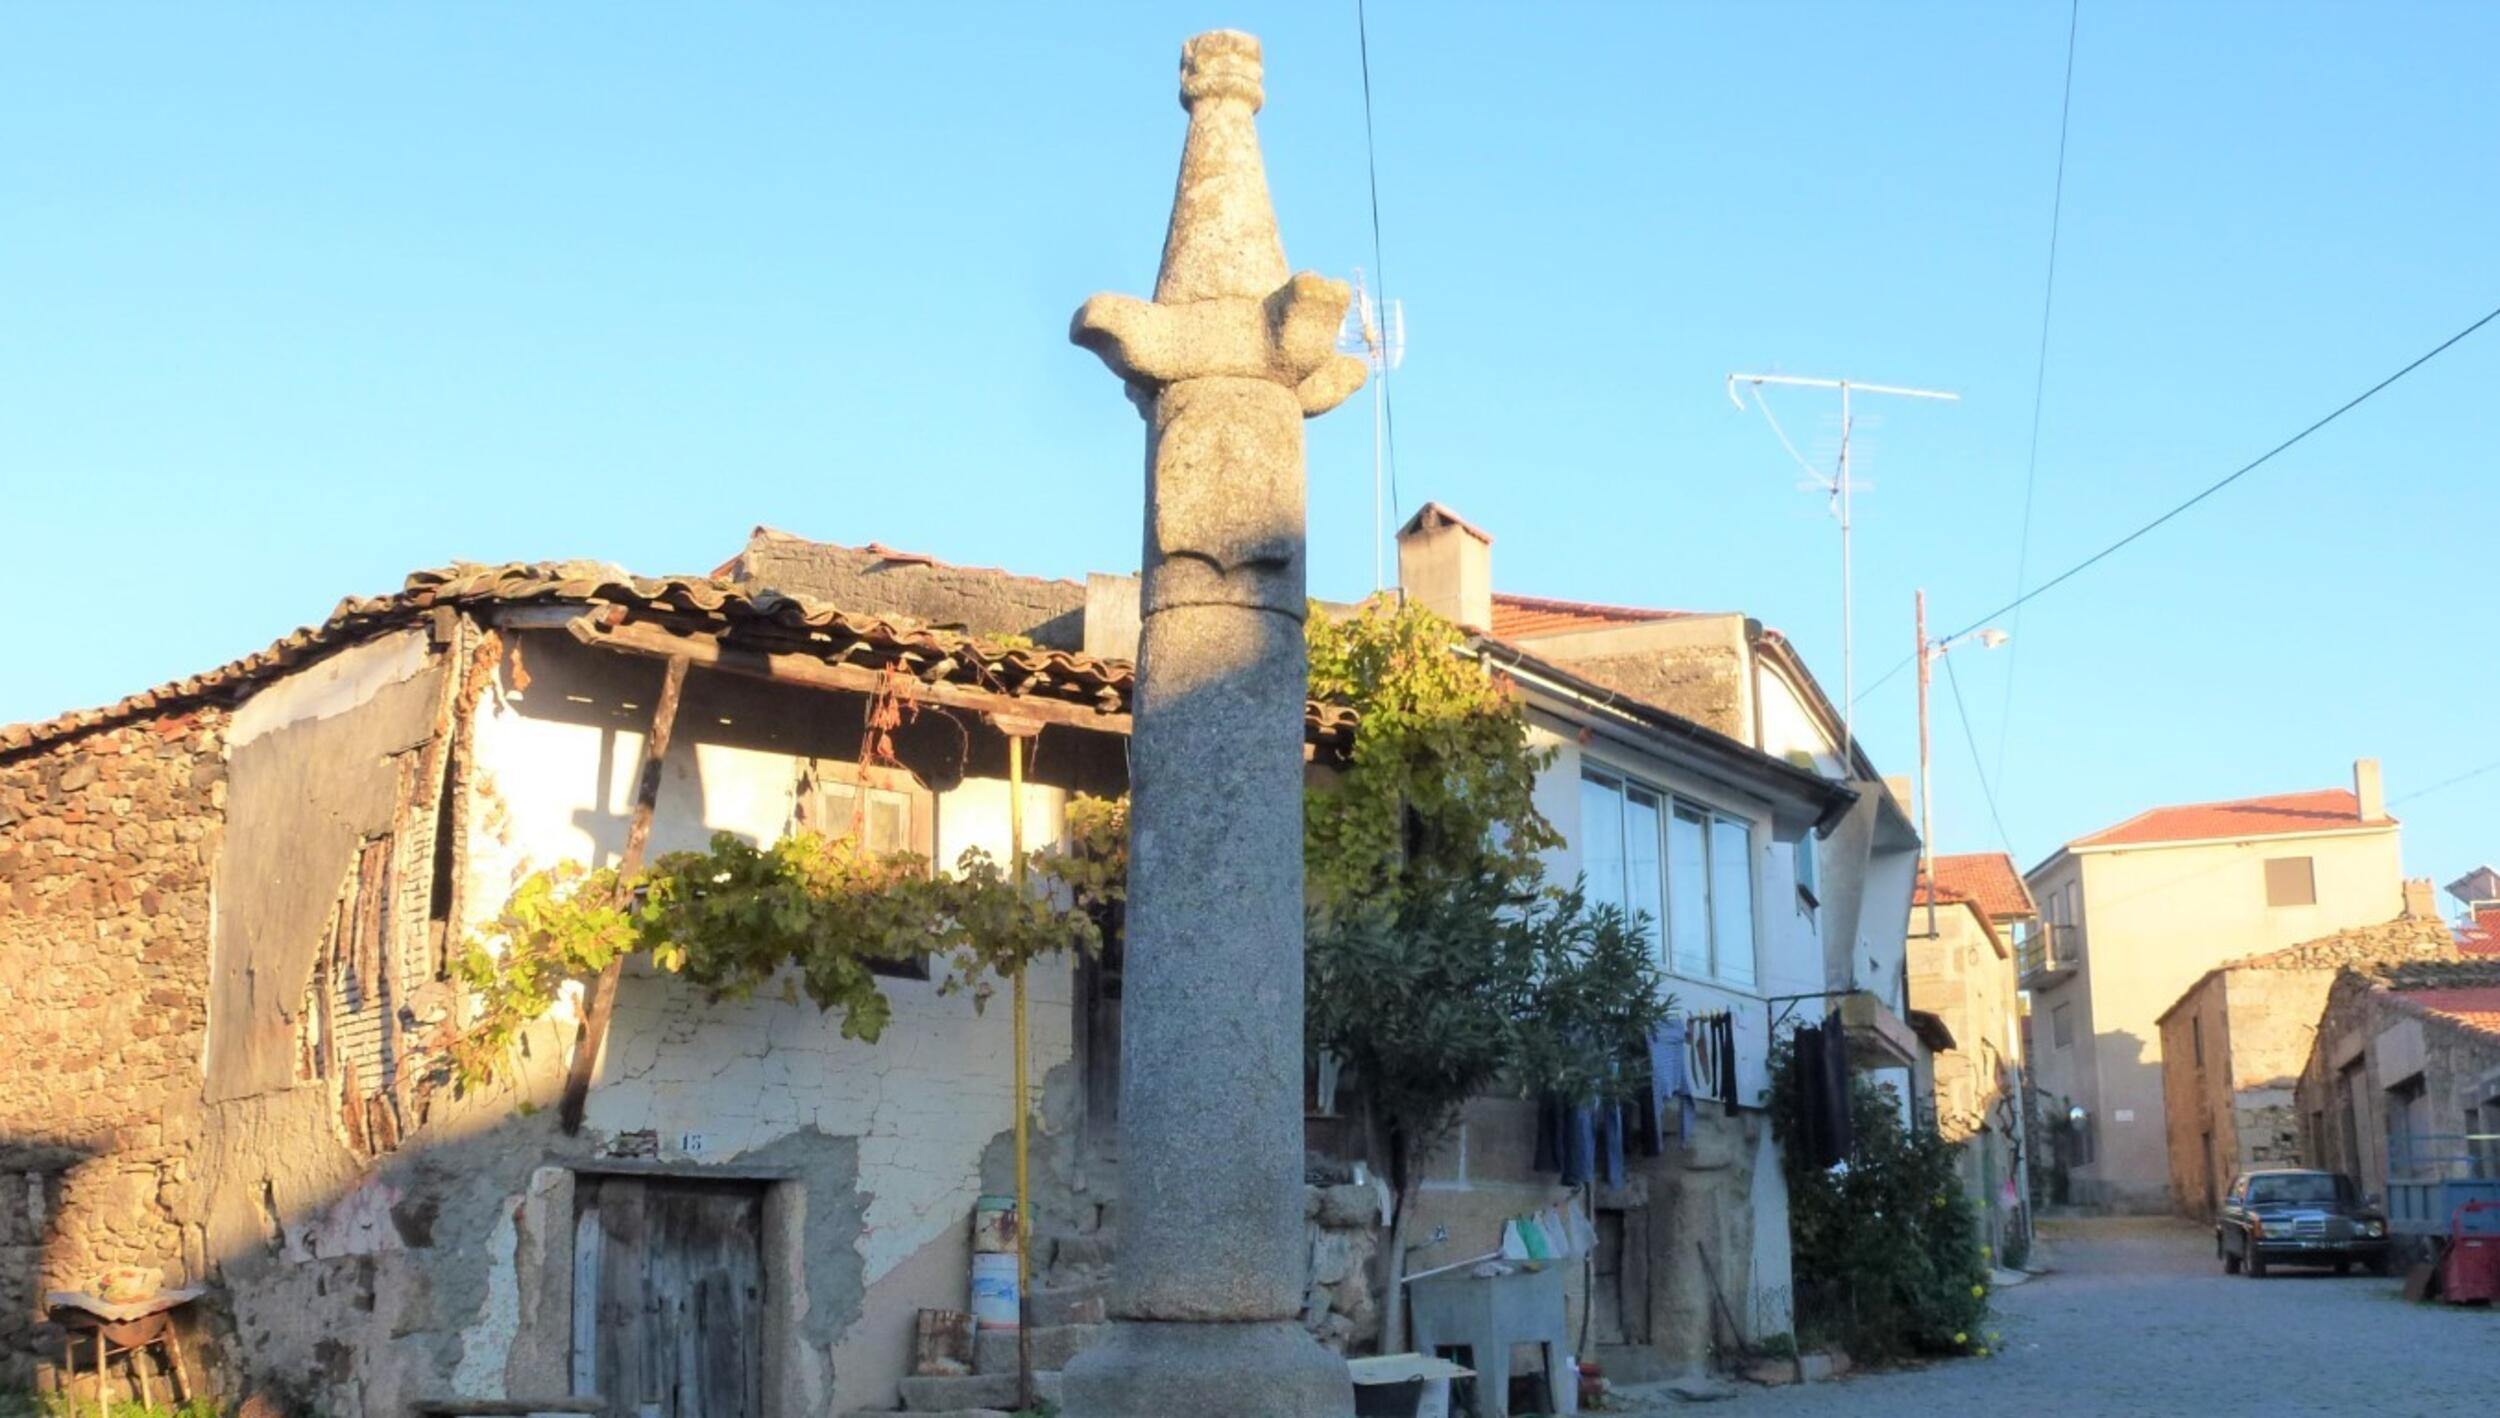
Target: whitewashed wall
924,1101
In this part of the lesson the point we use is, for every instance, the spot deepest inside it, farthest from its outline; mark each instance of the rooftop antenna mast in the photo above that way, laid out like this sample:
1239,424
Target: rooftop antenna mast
1379,336
1837,488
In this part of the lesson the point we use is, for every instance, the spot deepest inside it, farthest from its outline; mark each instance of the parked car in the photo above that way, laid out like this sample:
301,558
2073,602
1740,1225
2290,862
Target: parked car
2298,1217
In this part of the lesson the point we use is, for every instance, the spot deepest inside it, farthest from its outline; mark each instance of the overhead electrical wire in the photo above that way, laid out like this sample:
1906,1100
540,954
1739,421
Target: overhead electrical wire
1380,275
2467,775
2207,491
2039,383
1977,763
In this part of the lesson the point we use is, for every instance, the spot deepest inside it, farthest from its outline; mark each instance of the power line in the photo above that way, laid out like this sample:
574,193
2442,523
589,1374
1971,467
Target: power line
1953,677
2039,383
1380,273
2491,767
2208,490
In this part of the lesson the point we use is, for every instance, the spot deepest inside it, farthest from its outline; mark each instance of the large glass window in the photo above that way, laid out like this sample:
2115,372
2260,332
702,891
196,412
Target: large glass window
1731,899
1601,839
1644,877
1688,868
1688,890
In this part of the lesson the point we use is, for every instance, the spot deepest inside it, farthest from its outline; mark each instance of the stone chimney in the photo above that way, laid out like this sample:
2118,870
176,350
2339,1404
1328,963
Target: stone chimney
1111,616
2365,786
2420,904
1446,566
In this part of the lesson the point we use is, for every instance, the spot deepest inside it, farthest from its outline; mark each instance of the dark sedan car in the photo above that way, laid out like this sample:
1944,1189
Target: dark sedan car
2296,1217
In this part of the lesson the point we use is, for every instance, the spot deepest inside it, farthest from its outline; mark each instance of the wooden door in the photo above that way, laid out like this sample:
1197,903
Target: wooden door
668,1297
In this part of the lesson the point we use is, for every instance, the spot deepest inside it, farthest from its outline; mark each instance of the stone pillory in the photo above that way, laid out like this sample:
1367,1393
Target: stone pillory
1224,363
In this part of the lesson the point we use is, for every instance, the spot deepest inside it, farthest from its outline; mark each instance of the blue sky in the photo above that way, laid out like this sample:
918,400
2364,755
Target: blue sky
300,299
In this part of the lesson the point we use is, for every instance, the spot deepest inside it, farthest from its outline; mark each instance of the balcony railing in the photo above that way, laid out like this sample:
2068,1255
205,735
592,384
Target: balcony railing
2050,953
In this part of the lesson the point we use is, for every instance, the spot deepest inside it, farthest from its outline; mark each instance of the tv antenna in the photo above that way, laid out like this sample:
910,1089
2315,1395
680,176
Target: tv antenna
1837,489
1380,338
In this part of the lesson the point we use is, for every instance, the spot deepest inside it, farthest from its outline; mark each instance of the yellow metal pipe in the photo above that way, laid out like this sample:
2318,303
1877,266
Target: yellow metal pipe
1024,1199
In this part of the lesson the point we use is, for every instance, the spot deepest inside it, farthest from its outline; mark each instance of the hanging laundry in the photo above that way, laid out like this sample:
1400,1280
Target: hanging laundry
1669,1080
1566,1143
1819,1083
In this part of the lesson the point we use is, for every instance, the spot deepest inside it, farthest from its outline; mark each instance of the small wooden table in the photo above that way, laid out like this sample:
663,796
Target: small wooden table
124,1327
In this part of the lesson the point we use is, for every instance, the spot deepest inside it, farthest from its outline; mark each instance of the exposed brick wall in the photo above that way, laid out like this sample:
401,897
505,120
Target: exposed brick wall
105,846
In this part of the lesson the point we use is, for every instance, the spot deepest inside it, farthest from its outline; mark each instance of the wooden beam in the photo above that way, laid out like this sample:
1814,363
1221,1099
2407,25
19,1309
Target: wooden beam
602,999
643,638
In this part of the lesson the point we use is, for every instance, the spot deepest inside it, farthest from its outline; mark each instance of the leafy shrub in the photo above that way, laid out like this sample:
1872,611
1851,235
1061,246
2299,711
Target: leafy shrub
1889,1256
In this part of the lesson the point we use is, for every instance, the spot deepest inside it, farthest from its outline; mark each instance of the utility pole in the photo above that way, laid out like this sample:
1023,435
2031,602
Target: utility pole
1989,638
1839,489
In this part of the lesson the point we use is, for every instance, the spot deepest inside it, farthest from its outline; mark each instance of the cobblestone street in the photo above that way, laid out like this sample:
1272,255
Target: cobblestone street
2139,1319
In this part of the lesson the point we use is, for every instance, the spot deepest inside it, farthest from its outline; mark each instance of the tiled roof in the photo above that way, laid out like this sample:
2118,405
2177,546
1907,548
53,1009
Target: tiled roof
2326,810
791,623
1944,893
1526,617
2482,935
2474,1006
1986,879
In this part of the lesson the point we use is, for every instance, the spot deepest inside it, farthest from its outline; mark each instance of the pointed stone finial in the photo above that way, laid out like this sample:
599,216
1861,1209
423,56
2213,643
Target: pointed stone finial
1224,305
1223,239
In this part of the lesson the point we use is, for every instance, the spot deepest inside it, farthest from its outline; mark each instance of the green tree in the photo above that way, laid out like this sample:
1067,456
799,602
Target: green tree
1439,965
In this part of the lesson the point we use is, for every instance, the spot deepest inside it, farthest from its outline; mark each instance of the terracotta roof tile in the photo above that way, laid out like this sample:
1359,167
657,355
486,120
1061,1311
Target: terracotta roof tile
1986,879
2326,810
1526,617
792,622
2474,1006
2481,936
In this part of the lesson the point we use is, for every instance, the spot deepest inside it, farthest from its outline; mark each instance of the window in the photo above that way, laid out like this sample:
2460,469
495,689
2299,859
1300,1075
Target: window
887,809
1688,895
2482,1138
1643,871
2291,881
1731,899
1601,840
2062,1024
1686,868
2196,1037
1809,884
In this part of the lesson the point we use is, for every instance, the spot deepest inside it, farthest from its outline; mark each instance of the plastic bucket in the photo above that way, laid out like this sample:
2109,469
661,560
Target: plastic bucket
994,1298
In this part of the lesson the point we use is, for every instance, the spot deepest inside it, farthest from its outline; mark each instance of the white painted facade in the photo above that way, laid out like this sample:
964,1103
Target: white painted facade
717,1080
1787,959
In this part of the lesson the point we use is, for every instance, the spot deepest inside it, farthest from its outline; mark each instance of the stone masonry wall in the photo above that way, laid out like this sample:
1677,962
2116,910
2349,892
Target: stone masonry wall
1341,1224
105,844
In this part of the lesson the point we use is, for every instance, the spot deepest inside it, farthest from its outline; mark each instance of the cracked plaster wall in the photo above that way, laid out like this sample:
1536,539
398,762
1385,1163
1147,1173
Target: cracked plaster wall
732,1081
358,1285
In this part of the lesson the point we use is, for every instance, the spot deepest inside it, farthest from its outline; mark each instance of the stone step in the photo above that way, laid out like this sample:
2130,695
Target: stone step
955,1413
1086,1302
994,1352
1096,1248
972,1392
